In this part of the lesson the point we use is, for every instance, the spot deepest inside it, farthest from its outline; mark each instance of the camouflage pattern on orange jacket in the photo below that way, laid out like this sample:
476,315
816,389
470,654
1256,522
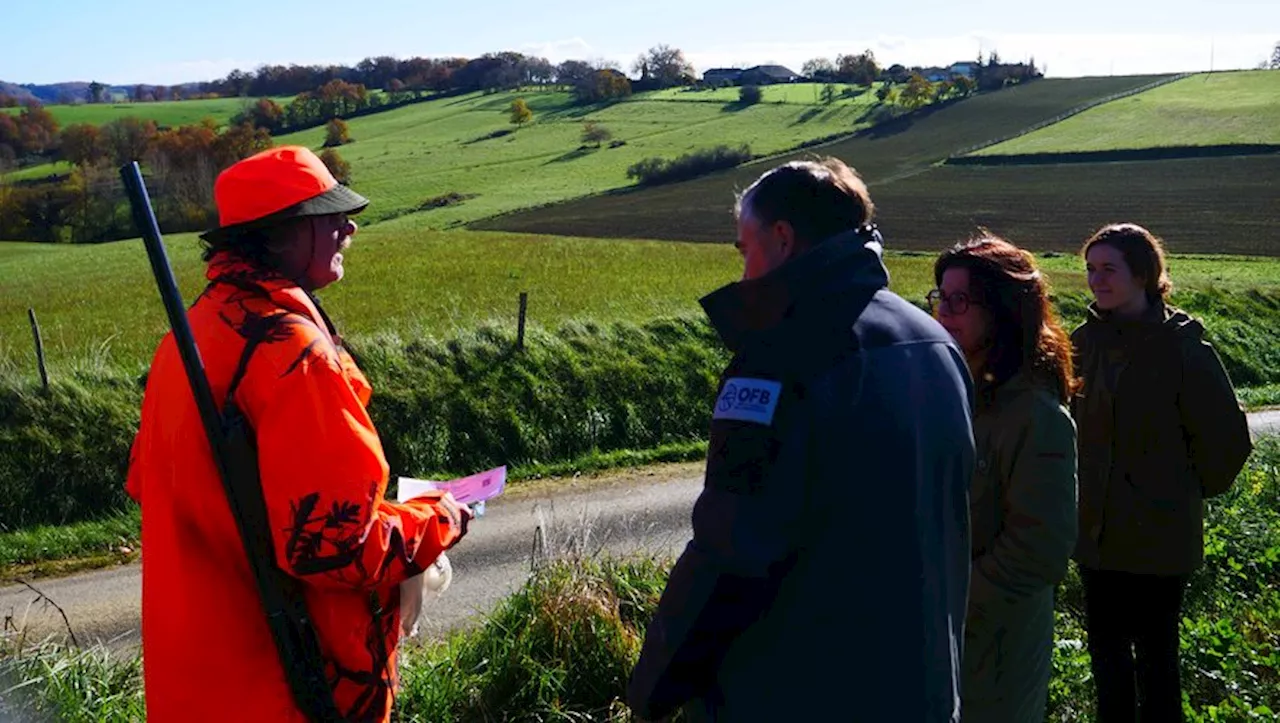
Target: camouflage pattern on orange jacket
208,653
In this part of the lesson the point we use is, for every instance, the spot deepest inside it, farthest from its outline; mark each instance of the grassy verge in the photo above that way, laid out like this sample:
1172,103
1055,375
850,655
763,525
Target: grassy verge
563,646
582,397
51,682
48,550
1261,397
56,550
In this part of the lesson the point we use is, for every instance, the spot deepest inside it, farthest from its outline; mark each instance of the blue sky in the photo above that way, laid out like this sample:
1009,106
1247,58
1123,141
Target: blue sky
150,41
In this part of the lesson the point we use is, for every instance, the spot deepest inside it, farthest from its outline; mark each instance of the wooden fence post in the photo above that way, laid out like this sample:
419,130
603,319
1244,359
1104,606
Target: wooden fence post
524,307
35,332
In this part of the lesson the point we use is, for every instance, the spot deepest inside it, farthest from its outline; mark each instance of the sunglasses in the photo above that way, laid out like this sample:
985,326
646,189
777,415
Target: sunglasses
957,303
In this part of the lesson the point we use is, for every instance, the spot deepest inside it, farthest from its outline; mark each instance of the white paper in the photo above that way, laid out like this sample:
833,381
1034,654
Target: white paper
418,591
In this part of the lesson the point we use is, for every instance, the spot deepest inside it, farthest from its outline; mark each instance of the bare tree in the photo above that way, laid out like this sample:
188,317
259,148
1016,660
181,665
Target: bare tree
664,66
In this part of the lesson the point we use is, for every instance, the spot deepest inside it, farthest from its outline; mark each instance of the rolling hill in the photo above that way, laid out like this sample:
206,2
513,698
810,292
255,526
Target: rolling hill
1201,110
1202,205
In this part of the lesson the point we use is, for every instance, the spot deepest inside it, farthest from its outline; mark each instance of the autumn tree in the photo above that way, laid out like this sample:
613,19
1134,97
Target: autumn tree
594,133
336,133
602,85
917,92
377,72
186,162
819,69
860,69
45,210
663,67
34,131
574,73
264,113
519,112
82,144
127,139
340,169
96,213
964,85
10,139
239,142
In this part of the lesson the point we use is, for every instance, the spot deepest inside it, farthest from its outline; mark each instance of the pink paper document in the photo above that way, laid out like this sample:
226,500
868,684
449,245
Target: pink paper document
467,490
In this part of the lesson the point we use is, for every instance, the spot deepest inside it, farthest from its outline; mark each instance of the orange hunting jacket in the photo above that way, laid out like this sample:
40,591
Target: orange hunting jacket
207,652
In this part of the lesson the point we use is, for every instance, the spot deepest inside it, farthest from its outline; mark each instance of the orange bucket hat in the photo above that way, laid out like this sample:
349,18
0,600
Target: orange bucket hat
276,184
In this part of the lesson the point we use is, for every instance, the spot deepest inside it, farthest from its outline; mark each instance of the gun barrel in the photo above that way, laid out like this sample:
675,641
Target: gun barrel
145,219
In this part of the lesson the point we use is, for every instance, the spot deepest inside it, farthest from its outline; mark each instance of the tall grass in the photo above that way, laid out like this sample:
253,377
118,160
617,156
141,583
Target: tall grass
562,647
65,451
580,392
56,682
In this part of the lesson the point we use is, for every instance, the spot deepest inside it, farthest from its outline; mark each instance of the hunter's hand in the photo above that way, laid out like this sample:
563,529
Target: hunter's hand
459,513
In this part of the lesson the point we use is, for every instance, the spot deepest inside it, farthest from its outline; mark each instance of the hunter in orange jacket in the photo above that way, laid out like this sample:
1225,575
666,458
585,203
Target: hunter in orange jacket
208,654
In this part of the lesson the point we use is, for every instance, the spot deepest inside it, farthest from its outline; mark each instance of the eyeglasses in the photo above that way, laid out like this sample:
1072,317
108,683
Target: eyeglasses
957,303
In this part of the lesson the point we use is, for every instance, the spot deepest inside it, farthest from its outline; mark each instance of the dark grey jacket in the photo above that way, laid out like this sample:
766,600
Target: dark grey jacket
829,568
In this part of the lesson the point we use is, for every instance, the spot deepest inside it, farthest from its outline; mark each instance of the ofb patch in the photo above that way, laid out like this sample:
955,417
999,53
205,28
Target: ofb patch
748,400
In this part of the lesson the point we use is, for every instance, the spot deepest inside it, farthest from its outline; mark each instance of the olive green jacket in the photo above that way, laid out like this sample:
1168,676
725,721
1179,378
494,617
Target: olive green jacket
1023,517
1161,430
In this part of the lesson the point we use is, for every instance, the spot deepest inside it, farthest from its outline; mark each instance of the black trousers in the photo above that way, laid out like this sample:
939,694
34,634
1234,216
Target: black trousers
1132,622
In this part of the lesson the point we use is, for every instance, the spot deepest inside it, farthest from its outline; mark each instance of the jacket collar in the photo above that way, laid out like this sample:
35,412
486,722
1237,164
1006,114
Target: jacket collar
226,269
850,261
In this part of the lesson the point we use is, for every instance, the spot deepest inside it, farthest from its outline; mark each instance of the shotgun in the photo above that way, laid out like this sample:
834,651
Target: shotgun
231,441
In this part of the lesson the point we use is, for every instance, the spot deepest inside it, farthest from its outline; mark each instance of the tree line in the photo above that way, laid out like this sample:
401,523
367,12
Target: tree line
89,205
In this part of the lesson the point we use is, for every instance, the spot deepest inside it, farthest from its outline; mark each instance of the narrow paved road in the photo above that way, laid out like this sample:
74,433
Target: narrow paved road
621,515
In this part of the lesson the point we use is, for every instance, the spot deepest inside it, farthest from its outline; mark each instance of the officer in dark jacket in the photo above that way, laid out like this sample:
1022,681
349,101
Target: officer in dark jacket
829,567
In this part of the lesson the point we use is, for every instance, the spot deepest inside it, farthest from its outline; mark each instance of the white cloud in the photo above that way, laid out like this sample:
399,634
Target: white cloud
558,51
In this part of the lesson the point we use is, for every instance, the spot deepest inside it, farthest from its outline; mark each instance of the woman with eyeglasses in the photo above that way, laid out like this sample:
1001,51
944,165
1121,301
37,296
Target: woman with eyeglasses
994,302
1160,431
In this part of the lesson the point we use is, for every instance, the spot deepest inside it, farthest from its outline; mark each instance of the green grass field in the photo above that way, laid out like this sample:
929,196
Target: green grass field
403,157
791,93
1202,110
41,171
895,150
99,305
169,113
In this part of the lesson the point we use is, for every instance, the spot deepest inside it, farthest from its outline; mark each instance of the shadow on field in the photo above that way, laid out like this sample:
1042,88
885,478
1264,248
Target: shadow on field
575,154
806,116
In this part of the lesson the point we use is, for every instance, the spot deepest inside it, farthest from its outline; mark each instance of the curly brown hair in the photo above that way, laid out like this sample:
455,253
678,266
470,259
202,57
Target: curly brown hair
1027,336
